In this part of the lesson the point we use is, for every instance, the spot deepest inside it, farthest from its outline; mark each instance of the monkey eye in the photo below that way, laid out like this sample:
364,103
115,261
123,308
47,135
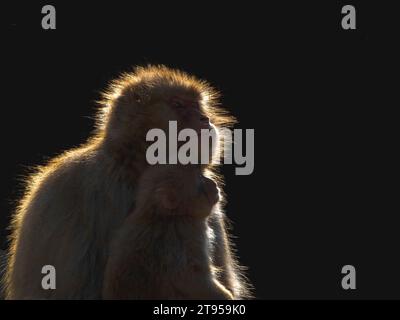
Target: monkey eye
177,104
137,97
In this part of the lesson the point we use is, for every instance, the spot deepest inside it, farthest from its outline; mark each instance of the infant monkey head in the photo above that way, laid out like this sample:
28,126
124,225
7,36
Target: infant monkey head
175,190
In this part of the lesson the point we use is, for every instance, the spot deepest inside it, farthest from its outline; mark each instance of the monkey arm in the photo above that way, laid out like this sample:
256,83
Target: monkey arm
136,258
124,275
224,259
201,286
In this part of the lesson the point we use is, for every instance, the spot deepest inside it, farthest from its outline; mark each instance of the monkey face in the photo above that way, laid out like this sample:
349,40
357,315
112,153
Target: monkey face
186,192
188,113
199,194
152,97
183,107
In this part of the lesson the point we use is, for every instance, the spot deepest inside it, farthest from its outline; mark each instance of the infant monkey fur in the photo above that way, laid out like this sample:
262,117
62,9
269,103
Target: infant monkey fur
162,250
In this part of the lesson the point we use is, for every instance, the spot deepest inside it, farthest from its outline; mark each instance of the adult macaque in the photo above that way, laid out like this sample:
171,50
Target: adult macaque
74,205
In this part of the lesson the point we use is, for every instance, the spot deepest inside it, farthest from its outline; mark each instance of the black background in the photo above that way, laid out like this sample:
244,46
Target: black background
321,101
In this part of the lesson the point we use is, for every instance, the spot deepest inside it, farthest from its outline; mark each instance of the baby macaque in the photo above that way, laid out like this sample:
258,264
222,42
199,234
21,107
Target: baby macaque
162,250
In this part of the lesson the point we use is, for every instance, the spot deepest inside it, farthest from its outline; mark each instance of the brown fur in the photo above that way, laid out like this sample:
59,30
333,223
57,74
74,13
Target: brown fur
2,269
162,250
74,205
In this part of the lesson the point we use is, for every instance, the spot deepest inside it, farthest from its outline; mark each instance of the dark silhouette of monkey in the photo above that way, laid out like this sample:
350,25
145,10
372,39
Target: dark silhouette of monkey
75,204
162,250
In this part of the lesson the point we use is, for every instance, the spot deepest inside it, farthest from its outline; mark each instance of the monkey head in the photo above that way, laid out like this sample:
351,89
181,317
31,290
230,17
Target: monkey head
176,190
151,97
191,194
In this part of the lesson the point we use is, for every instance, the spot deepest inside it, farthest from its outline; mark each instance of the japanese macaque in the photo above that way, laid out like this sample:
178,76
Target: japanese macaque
75,205
162,250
